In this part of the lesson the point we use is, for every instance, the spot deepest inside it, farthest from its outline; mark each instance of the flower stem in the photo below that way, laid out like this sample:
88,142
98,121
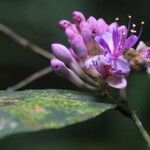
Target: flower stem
126,110
141,128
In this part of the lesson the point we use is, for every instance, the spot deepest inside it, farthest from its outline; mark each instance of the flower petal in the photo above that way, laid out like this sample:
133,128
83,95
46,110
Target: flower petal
116,82
123,30
102,43
130,42
89,63
116,38
121,66
141,46
108,38
102,64
113,26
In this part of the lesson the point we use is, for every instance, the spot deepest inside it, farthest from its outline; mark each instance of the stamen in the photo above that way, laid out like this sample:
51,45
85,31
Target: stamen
133,29
142,23
129,23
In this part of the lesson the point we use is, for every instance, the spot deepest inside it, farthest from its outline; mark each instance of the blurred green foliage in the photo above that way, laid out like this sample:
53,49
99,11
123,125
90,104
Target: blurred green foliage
38,22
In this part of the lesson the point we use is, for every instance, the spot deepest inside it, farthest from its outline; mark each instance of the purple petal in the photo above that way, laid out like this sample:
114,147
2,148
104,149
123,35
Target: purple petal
115,82
122,30
102,64
121,67
130,42
113,26
106,41
103,44
116,38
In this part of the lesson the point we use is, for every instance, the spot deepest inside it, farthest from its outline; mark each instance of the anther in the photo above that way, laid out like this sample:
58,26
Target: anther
130,17
116,19
133,25
142,23
133,31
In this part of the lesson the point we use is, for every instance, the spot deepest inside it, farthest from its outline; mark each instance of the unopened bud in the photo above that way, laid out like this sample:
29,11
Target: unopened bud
63,24
59,67
102,26
86,31
79,46
93,24
62,53
77,17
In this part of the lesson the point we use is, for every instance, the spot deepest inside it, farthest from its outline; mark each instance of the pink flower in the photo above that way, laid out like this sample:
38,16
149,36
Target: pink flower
96,49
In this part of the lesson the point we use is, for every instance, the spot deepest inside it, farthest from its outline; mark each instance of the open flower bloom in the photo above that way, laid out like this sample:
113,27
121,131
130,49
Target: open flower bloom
96,48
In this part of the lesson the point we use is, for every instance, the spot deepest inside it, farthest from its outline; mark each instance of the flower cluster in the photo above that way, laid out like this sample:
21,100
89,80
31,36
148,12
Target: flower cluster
96,52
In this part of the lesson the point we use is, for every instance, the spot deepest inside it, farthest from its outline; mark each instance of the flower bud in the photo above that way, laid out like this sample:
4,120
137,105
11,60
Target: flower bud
79,46
86,32
59,68
92,21
63,24
70,33
93,24
62,53
77,17
102,26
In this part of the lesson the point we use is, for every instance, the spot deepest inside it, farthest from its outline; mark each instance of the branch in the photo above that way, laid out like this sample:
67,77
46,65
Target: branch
126,110
24,42
30,79
141,128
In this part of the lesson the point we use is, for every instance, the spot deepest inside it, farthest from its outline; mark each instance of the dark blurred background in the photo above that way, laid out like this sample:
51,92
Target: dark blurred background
37,20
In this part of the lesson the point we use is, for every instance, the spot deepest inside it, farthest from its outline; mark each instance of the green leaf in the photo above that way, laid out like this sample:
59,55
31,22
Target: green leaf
34,110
